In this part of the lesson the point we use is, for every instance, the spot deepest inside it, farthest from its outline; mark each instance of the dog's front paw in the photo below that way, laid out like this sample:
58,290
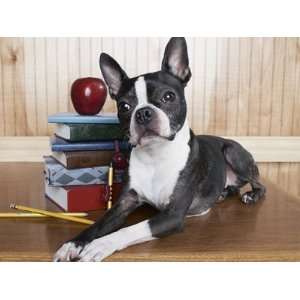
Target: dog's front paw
97,250
67,252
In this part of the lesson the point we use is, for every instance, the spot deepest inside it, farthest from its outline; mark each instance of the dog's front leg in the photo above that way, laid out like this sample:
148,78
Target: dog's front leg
112,220
164,223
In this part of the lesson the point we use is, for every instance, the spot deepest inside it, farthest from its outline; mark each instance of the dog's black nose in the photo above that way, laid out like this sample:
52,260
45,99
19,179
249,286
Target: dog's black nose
144,115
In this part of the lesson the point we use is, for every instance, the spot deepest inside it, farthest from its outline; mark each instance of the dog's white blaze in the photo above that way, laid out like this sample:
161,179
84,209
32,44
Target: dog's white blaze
142,97
102,247
154,169
141,91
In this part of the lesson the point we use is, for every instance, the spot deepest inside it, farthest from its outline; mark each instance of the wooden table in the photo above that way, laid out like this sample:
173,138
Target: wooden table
267,231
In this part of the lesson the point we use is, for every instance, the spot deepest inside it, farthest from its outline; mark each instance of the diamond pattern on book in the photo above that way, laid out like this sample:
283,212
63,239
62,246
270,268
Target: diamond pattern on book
86,178
65,179
57,175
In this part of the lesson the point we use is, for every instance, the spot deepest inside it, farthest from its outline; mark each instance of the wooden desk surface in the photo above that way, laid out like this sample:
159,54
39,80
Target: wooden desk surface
267,231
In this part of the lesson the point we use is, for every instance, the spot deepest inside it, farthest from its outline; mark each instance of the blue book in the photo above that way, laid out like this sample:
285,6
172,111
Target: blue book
59,145
73,118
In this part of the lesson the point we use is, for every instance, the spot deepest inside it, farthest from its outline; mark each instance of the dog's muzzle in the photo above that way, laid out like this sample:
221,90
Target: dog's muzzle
149,122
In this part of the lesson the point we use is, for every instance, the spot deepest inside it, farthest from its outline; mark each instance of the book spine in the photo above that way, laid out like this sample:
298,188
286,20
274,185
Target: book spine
87,147
95,132
87,161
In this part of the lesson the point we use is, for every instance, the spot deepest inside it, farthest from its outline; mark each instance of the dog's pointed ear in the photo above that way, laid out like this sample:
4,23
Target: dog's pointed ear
112,73
176,60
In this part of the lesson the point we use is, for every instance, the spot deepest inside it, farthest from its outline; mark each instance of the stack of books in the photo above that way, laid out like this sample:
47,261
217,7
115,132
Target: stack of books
83,147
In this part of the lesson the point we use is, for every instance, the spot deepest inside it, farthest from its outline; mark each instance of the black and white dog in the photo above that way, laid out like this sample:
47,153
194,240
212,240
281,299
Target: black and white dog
172,169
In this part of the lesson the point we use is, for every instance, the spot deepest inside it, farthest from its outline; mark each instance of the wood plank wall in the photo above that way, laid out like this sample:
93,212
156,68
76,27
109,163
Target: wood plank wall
240,86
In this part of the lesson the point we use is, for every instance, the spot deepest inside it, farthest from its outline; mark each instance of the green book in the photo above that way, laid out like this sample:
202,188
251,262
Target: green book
89,132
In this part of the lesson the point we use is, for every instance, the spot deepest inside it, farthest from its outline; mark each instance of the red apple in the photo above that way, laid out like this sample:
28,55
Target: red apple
88,95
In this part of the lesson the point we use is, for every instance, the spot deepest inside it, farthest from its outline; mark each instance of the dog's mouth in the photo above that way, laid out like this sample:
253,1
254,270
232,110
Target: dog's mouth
155,130
147,135
150,135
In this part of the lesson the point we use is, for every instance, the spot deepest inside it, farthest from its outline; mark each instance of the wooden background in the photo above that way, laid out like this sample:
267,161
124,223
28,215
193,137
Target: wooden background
240,86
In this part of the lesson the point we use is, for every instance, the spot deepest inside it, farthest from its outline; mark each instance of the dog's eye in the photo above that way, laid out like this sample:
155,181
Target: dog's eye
168,97
124,107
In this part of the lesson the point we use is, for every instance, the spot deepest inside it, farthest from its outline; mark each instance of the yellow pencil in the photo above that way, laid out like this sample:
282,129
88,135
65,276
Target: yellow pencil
35,215
51,214
110,183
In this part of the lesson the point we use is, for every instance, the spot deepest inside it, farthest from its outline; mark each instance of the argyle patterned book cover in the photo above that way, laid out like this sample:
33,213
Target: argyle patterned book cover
57,175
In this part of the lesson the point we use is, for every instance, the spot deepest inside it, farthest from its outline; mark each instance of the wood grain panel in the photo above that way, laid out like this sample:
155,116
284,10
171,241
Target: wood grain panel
198,84
2,114
266,86
221,86
279,77
142,55
85,62
210,82
255,86
8,62
41,75
296,105
74,65
245,59
12,73
30,87
189,88
289,87
240,86
233,86
294,179
51,76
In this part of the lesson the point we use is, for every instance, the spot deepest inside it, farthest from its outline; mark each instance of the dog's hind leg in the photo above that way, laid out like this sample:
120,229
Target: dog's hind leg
258,191
241,162
229,191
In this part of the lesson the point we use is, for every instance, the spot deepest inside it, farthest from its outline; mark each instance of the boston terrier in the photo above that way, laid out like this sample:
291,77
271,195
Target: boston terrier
170,168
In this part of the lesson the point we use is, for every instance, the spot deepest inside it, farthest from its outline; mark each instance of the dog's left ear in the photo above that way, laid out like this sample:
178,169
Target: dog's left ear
176,60
112,73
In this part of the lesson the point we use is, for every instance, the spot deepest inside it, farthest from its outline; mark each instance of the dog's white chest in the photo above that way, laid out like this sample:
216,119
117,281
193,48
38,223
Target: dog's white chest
154,171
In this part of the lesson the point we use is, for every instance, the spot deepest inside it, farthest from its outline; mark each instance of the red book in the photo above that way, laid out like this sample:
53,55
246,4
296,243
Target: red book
81,198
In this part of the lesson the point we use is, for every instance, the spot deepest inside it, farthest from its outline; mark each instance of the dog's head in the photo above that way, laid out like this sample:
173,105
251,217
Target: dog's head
151,106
